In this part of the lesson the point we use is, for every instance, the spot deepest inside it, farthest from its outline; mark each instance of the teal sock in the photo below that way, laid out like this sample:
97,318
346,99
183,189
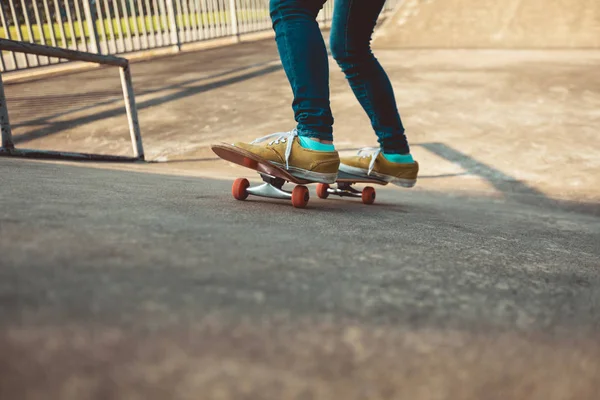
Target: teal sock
399,158
308,143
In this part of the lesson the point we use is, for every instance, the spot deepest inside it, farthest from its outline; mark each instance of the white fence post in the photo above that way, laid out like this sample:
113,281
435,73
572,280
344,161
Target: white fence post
234,21
173,26
91,23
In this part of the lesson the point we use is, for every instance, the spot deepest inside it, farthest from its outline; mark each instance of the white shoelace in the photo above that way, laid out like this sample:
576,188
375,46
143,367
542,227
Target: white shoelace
372,152
280,137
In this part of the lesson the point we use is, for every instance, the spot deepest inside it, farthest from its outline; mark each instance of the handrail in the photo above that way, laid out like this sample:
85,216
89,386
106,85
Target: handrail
49,51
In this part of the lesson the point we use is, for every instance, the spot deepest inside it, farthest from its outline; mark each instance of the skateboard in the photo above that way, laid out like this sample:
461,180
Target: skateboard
275,177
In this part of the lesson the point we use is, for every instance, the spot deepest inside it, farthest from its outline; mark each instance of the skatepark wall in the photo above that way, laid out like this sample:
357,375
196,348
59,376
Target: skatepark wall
527,24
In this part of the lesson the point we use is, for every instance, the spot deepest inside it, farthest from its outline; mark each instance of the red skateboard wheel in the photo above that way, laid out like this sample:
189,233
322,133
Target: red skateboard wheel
239,188
322,190
300,196
368,195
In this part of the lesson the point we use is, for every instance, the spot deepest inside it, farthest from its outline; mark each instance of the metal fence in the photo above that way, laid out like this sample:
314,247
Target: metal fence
124,26
8,148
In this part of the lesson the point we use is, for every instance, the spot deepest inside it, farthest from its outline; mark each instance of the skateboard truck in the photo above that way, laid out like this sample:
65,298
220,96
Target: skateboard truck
345,189
271,188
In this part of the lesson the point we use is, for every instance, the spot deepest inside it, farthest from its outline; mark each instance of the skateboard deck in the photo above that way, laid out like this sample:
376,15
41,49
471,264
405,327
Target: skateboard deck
242,157
275,177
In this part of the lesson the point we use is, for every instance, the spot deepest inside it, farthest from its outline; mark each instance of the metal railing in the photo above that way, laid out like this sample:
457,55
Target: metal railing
8,148
125,26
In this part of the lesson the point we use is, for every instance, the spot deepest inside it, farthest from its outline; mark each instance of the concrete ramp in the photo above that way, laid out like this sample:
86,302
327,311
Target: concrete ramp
528,24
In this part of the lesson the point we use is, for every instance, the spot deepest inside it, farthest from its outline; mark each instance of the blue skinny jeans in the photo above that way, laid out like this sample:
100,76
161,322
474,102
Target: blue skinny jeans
304,58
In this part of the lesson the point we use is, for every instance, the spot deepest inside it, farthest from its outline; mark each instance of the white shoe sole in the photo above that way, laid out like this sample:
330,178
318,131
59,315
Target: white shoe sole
363,173
312,176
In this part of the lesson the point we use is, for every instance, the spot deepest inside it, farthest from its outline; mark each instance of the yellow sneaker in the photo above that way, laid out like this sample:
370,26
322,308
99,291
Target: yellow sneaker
284,150
371,163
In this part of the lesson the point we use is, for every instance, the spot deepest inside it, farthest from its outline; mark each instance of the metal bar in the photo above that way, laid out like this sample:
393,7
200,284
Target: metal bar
102,28
183,26
39,22
18,27
128,95
59,21
92,29
160,40
207,22
132,117
202,25
249,6
173,25
210,19
80,25
185,14
119,26
243,25
63,155
244,16
32,48
8,36
50,23
2,65
233,18
194,20
222,17
215,17
111,29
7,142
149,11
210,14
260,16
27,24
71,26
248,15
199,20
29,29
40,26
143,27
15,20
176,4
254,16
164,21
127,25
267,18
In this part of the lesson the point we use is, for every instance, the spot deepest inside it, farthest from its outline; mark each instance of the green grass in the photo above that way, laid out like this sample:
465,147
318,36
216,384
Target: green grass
147,22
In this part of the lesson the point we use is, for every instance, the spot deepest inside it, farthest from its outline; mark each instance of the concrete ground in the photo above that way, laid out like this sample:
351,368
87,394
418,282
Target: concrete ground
499,120
148,281
510,24
119,284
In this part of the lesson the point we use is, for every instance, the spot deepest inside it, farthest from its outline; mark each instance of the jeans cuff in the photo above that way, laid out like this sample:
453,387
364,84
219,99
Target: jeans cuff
395,148
314,135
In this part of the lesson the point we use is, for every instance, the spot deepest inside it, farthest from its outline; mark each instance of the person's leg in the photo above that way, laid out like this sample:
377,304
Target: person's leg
352,28
353,25
304,58
306,152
